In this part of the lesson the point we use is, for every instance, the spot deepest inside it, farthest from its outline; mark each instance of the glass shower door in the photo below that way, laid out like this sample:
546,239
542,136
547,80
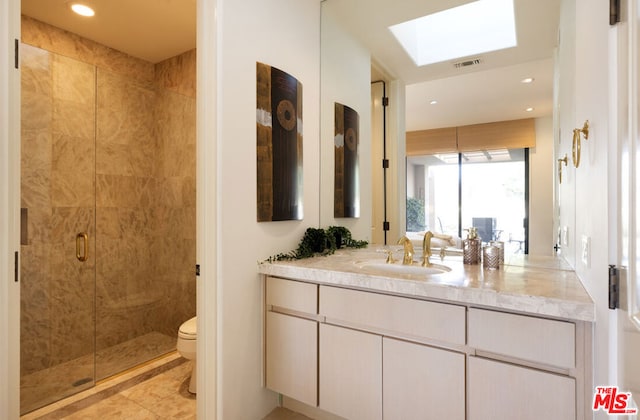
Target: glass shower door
58,227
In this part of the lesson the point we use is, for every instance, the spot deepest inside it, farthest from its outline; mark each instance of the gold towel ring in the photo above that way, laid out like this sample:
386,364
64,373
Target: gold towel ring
576,148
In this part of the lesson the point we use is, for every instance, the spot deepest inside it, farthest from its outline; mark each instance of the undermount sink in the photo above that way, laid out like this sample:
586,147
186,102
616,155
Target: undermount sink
398,269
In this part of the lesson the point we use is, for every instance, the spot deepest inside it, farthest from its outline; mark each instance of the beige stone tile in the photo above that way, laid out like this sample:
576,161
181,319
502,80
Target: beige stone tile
73,119
122,159
73,80
178,74
35,190
36,148
281,413
164,395
56,40
116,407
35,71
36,111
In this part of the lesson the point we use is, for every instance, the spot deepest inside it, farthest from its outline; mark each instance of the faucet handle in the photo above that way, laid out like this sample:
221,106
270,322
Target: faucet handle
389,250
390,259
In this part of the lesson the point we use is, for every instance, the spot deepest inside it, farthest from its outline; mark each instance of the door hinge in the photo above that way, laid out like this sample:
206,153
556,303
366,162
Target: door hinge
385,163
385,101
197,269
614,290
385,226
16,53
16,266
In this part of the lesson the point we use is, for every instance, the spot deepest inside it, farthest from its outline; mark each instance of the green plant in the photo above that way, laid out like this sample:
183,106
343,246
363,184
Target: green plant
415,215
320,242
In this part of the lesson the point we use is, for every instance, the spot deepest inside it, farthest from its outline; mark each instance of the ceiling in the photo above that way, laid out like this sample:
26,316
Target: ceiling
153,30
490,91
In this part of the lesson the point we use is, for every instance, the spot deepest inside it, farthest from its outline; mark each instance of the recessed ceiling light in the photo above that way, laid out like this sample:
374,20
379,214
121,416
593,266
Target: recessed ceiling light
530,109
82,9
463,31
527,80
433,102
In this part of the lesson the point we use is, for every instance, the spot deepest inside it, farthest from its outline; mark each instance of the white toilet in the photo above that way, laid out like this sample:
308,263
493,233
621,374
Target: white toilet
187,347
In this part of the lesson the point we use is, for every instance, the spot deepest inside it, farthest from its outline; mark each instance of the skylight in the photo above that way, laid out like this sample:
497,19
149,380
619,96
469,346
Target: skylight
474,28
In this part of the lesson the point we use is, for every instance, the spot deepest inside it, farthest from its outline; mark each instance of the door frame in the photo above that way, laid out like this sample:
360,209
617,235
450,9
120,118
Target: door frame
9,210
206,208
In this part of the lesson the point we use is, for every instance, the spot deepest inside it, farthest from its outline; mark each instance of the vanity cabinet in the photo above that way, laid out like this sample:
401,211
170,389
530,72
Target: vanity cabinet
291,344
369,355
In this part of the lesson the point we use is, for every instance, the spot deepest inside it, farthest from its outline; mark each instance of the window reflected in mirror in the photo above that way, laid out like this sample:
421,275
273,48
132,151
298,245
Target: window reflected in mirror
450,192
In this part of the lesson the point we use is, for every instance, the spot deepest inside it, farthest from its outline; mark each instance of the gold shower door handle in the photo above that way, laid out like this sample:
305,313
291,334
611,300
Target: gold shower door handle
82,252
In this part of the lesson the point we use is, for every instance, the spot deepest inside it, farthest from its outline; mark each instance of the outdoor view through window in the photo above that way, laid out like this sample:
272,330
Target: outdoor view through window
448,193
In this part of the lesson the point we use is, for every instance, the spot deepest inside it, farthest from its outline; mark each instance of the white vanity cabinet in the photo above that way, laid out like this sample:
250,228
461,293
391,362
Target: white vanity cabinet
291,344
370,355
524,367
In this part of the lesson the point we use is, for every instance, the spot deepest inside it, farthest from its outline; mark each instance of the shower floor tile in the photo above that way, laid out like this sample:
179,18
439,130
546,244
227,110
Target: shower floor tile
52,384
158,390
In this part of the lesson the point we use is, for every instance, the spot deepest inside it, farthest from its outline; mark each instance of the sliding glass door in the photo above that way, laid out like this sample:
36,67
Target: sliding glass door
447,193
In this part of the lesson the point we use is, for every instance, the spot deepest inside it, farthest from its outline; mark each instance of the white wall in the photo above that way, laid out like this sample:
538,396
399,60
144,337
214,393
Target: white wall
584,51
541,179
284,34
592,204
345,78
623,187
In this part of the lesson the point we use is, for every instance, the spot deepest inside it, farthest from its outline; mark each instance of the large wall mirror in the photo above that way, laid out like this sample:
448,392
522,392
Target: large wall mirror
454,92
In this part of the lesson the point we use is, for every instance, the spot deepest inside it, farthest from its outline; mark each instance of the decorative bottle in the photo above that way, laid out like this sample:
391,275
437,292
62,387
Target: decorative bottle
472,247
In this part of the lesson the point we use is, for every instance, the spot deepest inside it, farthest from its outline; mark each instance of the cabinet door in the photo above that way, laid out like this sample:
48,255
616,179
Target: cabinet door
350,373
503,391
292,357
421,382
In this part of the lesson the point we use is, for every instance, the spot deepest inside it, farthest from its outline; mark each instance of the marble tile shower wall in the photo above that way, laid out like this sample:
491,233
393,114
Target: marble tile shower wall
110,138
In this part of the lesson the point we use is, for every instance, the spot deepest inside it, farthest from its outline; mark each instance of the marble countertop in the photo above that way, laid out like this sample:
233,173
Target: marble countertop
534,285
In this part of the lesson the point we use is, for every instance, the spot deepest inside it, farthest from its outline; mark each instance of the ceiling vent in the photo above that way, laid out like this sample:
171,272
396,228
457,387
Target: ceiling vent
467,63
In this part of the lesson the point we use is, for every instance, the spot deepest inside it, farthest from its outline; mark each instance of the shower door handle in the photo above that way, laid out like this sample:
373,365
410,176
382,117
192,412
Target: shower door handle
82,252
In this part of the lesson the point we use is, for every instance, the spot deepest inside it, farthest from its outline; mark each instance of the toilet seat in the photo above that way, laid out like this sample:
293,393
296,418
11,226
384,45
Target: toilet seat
187,330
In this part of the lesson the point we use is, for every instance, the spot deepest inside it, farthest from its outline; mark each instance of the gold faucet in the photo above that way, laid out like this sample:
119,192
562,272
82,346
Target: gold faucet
426,249
408,250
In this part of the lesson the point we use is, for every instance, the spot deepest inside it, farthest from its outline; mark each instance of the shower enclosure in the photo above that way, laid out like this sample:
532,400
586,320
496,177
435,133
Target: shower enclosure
108,210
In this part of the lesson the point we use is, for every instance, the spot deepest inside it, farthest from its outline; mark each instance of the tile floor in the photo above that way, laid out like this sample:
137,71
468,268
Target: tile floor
48,385
155,391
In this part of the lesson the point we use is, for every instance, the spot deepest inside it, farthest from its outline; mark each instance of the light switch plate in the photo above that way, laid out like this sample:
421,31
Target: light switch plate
565,235
586,250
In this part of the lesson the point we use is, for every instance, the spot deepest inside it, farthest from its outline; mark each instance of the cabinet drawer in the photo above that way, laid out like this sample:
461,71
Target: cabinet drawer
398,316
535,339
498,390
293,295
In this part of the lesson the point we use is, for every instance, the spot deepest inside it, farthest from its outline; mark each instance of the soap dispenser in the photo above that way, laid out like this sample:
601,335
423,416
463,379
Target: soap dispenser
472,247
